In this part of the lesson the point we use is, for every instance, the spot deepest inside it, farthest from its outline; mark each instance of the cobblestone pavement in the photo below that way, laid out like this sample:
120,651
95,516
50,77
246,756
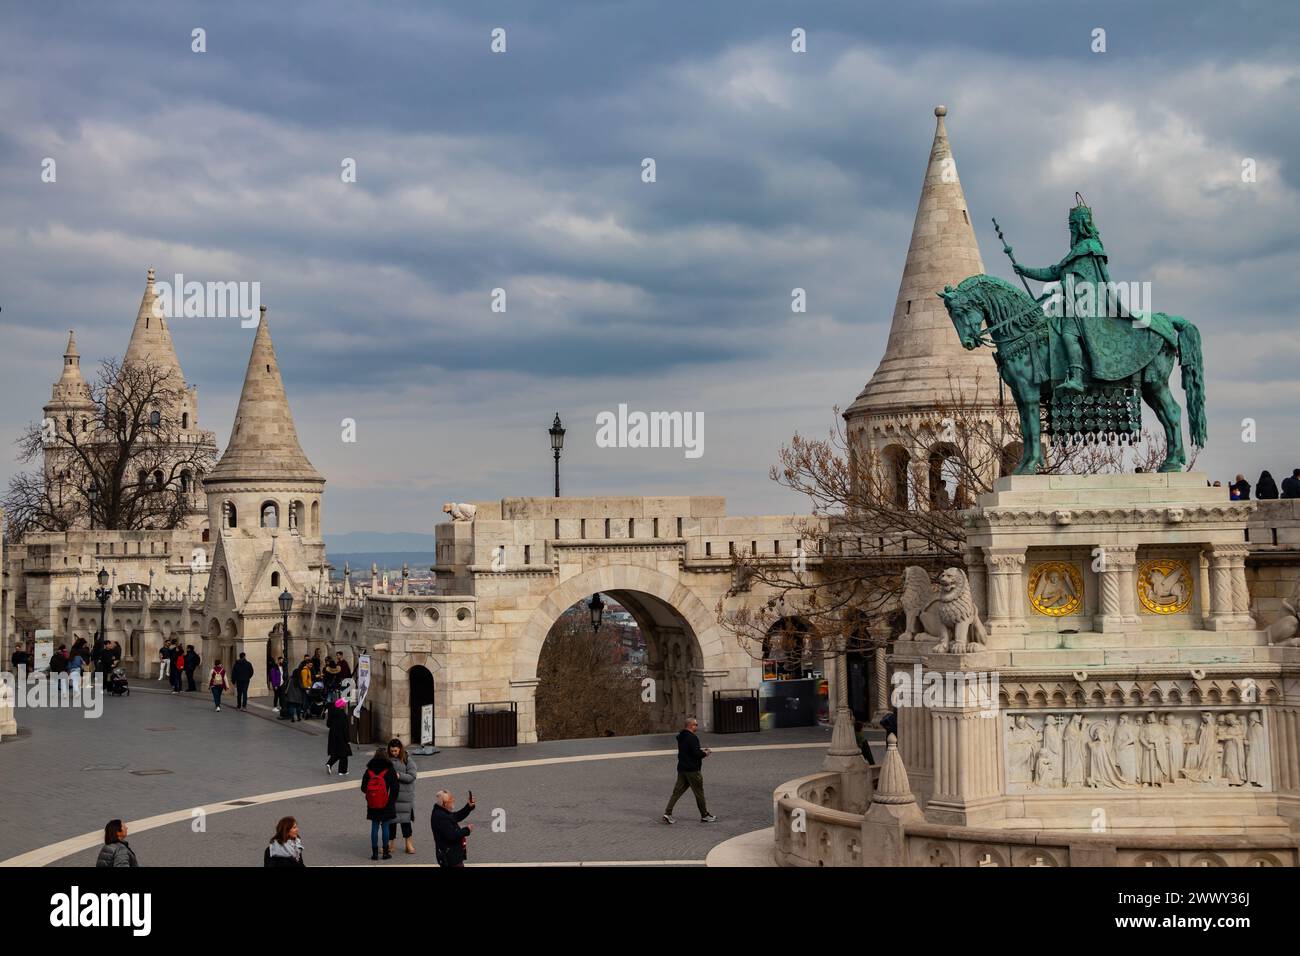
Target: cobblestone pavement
153,753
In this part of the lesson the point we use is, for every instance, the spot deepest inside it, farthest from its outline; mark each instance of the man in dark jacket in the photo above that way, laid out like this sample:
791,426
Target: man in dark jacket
448,835
690,759
191,665
242,675
1291,486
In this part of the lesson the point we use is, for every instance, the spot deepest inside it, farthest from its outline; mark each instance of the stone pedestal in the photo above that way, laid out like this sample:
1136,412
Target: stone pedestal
8,724
1127,700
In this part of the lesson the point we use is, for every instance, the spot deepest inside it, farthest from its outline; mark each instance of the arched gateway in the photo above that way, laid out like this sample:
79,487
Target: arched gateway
508,570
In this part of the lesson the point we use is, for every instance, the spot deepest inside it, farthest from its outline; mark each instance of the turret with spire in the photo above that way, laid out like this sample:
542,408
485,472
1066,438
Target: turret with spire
924,363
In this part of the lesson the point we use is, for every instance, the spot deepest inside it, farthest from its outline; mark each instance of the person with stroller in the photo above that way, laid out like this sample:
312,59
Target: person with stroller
217,683
407,773
380,785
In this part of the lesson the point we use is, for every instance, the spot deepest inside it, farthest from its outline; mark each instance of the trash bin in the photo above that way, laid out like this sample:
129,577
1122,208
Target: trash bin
363,727
494,724
735,712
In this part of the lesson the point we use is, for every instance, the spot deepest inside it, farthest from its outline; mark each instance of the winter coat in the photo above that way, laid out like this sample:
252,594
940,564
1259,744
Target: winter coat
448,835
406,776
283,854
294,693
382,765
276,680
218,678
337,722
1266,487
192,661
242,671
690,755
116,854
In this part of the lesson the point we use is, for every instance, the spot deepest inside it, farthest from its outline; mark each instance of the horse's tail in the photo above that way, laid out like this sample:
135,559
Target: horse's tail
1193,366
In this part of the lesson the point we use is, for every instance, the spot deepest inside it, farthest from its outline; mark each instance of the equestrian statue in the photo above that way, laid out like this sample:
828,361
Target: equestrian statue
1077,360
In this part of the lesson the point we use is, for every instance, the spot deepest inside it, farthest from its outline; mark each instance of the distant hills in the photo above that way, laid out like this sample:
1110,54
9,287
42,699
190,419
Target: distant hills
360,549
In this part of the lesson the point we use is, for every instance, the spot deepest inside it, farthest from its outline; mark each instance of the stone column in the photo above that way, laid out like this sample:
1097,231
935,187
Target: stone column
1223,610
975,574
880,634
1240,591
1115,583
1006,600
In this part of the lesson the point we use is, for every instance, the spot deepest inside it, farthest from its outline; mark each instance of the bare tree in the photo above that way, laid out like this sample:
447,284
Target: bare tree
583,688
129,466
872,516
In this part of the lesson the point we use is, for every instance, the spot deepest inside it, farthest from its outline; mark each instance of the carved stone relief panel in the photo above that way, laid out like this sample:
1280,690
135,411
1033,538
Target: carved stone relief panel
1118,749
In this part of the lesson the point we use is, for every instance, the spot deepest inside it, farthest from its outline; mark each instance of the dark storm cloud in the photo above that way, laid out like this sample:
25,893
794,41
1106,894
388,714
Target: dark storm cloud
522,171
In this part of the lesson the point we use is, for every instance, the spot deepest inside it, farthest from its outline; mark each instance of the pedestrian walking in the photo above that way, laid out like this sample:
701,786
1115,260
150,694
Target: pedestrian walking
285,848
20,658
242,674
407,773
116,851
178,667
338,749
450,839
192,661
690,761
217,683
379,784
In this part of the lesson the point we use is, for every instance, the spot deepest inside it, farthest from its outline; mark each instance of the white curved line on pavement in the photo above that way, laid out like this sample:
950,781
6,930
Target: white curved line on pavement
46,855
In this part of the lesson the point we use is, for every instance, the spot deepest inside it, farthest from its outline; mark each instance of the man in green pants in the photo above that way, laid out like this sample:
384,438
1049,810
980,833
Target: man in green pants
690,756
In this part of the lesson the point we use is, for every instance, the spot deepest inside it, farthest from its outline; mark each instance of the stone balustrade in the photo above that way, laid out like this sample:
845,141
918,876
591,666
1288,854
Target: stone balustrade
812,830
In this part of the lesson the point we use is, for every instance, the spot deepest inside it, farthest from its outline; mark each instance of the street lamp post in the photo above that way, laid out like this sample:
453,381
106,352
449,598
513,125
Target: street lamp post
102,594
597,609
286,605
556,432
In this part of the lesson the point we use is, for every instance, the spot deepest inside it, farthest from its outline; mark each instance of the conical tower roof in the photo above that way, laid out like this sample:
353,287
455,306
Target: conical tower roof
263,443
923,347
151,340
71,388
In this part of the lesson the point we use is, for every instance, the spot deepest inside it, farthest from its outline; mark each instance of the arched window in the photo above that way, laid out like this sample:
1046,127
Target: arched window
205,535
275,579
69,426
270,515
83,424
142,479
185,419
295,516
155,418
315,519
229,516
158,482
185,482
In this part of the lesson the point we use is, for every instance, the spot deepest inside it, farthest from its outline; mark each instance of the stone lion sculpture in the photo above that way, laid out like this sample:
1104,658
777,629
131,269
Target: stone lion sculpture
950,615
918,592
1283,632
459,512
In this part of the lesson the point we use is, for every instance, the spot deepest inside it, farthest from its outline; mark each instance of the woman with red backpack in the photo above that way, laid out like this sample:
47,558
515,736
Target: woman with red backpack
380,785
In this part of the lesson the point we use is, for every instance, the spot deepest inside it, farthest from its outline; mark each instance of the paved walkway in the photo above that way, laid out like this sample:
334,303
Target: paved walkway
201,788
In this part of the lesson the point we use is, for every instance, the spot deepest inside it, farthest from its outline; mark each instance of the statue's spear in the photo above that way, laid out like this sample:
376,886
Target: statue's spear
1007,249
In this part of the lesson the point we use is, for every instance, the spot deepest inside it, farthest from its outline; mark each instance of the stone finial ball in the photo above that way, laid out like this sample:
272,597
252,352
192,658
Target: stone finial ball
941,111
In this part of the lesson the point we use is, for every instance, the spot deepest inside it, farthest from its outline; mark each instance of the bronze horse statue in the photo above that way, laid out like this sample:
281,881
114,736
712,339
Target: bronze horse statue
987,310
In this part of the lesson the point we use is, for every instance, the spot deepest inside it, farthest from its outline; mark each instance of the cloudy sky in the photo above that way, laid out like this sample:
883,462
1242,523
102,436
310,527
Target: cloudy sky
522,171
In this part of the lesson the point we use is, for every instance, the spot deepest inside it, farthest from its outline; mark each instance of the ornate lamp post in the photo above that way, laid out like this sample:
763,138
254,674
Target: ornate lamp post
102,594
557,442
286,605
597,608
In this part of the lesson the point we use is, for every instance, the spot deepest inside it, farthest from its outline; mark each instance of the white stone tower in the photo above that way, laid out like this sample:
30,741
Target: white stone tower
69,410
264,500
897,419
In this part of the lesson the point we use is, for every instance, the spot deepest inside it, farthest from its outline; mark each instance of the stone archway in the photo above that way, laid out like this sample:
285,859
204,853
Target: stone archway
683,641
